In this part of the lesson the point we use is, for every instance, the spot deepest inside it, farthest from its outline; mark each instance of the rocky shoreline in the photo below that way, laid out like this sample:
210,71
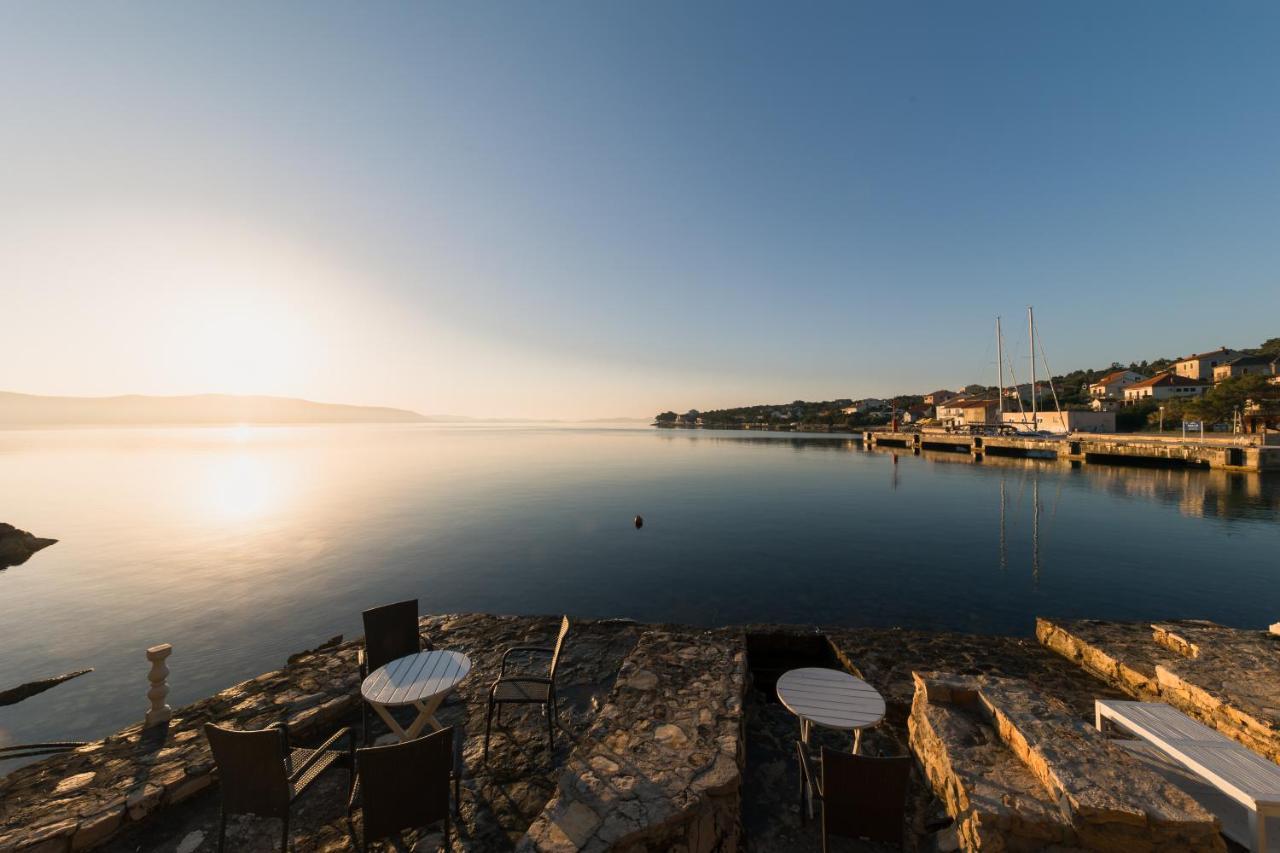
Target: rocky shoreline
669,738
17,546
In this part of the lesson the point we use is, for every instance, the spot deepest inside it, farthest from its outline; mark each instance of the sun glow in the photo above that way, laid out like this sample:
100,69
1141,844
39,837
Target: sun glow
239,488
172,303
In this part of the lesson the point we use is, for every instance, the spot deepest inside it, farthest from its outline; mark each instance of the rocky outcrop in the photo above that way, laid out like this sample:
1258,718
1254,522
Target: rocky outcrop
1228,678
14,695
17,546
1018,772
661,768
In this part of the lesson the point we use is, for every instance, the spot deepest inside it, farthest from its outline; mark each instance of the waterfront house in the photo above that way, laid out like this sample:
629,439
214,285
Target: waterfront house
1070,420
1201,365
862,407
951,411
969,411
1247,365
937,397
1111,386
915,414
1165,386
979,412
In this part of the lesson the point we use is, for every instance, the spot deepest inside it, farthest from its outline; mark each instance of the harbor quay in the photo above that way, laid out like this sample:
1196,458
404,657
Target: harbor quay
1231,453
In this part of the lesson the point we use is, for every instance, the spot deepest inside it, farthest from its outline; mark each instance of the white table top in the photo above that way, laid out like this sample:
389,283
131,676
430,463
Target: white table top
830,698
414,678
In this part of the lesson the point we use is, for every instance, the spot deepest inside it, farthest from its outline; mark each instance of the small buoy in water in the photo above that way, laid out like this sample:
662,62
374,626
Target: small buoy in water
639,521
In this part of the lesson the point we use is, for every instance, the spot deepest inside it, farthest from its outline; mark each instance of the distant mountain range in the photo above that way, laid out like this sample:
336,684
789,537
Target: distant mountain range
135,409
207,409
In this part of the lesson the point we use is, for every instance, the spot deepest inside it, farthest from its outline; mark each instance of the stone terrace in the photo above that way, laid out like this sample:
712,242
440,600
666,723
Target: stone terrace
1228,678
1018,771
885,657
654,734
155,790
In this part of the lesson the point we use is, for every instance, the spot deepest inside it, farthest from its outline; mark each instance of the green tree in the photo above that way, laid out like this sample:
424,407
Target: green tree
1223,400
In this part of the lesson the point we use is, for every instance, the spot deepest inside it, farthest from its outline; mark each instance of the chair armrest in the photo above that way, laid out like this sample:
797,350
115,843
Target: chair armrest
363,663
530,650
320,750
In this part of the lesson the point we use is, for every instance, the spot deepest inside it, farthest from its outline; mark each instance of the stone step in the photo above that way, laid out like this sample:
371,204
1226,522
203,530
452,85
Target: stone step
1107,798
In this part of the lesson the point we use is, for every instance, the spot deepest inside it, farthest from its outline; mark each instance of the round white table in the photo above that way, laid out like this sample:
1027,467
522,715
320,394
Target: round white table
830,698
422,680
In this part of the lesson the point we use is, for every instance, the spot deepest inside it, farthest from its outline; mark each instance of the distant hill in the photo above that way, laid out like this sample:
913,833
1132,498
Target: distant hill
134,409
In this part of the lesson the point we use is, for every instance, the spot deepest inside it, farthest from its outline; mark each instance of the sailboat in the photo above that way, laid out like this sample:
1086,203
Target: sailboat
1030,428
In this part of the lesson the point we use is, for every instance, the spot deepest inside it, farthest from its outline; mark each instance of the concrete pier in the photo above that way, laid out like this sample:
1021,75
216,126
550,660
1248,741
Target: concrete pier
1232,453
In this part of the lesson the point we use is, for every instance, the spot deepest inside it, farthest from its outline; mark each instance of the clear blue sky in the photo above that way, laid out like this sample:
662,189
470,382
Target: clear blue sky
594,209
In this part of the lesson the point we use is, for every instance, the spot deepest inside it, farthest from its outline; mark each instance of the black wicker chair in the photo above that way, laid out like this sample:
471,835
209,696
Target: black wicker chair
261,774
403,786
522,688
861,796
390,632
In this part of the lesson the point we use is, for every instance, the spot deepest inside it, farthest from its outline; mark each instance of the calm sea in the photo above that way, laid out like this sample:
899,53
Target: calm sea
240,546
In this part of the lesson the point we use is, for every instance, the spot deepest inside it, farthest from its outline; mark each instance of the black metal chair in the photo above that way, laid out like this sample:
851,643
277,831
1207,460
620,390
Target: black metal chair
861,796
261,774
526,689
403,786
390,632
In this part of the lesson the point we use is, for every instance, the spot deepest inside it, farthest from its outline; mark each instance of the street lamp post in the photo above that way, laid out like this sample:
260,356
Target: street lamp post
1162,420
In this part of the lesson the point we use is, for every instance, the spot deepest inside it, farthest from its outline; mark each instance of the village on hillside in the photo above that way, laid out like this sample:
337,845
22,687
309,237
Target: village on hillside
1222,390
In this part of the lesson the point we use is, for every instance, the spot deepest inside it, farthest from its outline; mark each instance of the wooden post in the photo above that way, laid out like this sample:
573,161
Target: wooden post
159,712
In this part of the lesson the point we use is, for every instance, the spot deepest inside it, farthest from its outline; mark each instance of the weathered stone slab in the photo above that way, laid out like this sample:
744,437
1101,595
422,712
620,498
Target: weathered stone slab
982,739
995,800
660,769
1228,678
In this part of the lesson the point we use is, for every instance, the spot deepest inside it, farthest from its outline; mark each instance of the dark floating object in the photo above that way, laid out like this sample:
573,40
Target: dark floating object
17,546
14,695
639,521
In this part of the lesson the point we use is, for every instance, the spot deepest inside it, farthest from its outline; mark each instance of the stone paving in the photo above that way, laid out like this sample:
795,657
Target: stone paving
660,769
886,658
1228,678
105,792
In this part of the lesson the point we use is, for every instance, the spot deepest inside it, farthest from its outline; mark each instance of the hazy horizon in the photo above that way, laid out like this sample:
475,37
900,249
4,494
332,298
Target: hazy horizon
571,211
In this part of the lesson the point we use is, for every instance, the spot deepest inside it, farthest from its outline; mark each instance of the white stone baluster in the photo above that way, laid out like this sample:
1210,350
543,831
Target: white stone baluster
159,712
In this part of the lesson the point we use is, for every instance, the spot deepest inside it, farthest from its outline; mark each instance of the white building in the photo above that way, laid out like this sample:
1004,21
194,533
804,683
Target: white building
1200,365
1113,384
1165,386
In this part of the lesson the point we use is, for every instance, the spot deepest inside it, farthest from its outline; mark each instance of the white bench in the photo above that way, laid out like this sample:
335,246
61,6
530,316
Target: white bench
1239,772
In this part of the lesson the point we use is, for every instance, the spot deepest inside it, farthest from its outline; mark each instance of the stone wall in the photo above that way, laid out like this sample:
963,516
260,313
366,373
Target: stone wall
1018,772
1228,678
661,767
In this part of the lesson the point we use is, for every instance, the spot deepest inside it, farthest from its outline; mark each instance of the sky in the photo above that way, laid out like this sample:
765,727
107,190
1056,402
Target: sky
599,209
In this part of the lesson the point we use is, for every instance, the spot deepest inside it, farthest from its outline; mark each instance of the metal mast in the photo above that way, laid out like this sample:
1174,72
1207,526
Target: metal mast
1000,369
1031,327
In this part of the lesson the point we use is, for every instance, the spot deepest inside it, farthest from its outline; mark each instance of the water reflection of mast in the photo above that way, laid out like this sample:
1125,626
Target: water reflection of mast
895,471
1004,554
1035,529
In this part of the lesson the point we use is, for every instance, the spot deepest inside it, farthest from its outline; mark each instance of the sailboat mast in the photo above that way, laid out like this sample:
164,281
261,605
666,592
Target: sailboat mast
999,369
1031,327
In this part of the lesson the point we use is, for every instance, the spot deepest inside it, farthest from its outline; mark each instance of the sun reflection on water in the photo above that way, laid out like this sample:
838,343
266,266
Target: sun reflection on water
240,487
